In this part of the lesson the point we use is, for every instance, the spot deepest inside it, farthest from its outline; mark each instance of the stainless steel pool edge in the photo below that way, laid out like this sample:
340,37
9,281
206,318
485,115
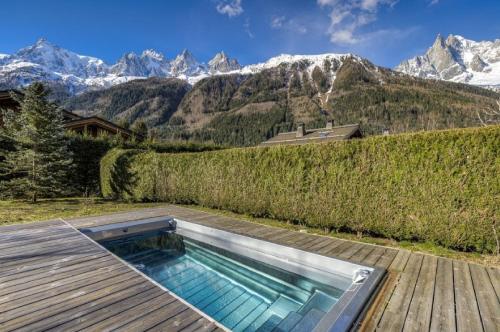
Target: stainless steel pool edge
351,308
321,268
127,228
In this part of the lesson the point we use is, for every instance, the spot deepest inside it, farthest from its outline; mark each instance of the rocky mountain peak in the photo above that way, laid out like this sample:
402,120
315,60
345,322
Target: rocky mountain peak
185,63
221,63
129,65
152,54
439,42
458,59
477,64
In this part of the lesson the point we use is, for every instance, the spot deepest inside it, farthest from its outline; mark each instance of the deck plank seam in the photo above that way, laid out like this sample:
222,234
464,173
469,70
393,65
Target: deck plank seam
475,297
396,283
14,287
75,290
413,293
492,285
104,319
62,302
96,308
4,278
433,296
61,283
135,283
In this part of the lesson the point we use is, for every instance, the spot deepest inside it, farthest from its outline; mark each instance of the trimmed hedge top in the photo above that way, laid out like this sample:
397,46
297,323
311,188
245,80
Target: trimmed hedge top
441,187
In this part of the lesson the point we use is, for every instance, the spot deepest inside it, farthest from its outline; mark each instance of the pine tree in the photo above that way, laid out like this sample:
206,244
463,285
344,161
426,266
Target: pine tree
141,129
39,164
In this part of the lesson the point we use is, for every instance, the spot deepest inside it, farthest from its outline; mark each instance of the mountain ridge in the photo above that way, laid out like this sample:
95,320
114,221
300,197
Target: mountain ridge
47,62
246,109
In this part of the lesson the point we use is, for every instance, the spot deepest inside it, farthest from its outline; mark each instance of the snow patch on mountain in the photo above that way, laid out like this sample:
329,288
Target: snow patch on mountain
310,61
460,60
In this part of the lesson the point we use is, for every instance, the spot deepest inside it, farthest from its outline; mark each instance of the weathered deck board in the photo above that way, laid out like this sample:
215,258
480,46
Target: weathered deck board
489,307
61,281
443,314
419,313
394,316
467,311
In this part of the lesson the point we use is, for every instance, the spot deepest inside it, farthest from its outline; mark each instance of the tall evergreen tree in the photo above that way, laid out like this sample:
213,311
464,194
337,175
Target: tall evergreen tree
39,164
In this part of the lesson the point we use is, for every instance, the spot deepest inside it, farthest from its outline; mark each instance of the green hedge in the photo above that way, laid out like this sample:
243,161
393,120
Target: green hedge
441,187
87,152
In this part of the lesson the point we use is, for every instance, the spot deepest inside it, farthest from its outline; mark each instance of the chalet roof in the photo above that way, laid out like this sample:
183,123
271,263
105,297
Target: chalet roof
6,98
320,135
99,122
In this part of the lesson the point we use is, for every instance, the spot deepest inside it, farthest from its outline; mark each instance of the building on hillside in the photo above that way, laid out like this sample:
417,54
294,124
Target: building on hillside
93,125
321,135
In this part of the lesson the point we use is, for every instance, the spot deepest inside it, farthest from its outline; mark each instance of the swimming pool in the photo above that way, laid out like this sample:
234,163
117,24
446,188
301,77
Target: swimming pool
243,283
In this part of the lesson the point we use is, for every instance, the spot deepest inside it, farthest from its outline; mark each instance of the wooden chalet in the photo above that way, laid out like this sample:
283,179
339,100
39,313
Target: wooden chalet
93,125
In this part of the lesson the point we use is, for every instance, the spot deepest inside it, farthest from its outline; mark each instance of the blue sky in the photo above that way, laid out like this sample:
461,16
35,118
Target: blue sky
384,31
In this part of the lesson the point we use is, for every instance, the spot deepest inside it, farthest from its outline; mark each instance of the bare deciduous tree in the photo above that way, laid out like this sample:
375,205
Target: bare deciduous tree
491,117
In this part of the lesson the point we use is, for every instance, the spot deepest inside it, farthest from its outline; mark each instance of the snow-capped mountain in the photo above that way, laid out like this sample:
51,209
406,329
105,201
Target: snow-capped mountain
77,73
149,63
45,61
458,59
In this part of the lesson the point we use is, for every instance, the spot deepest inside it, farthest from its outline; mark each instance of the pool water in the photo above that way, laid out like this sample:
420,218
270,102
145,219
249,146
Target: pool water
240,293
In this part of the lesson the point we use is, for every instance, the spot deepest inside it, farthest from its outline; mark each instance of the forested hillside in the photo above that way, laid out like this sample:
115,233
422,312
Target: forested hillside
153,100
246,109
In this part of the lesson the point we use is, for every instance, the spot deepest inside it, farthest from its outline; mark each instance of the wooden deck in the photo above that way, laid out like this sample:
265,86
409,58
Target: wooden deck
54,278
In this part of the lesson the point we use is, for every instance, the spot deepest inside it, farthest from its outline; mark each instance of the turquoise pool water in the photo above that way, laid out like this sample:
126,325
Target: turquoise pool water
240,293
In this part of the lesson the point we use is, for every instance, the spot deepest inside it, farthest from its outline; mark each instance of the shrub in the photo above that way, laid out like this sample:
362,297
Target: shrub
442,187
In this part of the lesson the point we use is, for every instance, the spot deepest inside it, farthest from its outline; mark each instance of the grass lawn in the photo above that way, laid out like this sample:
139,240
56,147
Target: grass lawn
23,212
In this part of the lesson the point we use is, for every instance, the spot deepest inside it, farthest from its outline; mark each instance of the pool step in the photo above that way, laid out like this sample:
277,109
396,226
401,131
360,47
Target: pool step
138,255
283,305
267,285
223,301
240,275
309,321
318,300
273,315
245,323
244,310
269,324
231,307
288,322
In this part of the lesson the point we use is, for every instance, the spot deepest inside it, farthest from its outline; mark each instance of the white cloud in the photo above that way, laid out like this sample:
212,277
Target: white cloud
230,8
248,31
348,16
433,2
277,22
282,23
